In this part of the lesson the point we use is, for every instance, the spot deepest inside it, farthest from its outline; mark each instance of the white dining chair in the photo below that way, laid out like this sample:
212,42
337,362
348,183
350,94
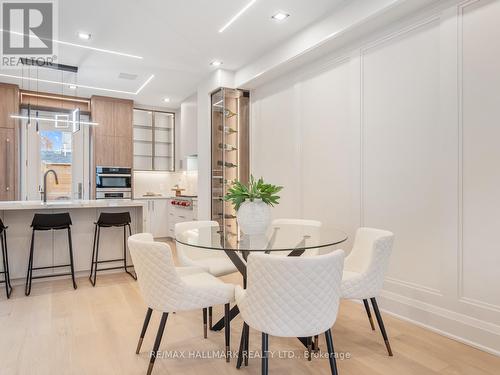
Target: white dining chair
292,297
217,263
310,228
166,288
364,271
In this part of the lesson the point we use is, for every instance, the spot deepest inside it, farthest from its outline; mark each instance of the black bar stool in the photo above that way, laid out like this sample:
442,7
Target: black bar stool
45,222
5,259
108,220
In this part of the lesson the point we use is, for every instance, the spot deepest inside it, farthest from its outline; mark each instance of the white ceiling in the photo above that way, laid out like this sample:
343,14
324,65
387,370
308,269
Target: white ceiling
177,39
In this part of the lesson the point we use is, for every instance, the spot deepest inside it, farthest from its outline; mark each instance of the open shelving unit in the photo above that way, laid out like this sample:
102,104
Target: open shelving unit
154,140
230,152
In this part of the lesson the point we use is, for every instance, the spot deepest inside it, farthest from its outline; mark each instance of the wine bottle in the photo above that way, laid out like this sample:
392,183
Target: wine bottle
227,147
226,164
227,130
227,216
228,113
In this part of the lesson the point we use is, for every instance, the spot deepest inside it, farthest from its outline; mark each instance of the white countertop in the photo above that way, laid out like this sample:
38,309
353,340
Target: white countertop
163,197
66,204
153,197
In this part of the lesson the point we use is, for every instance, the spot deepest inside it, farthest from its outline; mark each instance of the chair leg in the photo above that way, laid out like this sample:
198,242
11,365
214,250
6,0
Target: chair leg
265,353
93,278
368,312
94,261
309,348
205,323
144,328
71,258
210,318
227,331
125,250
381,325
331,352
241,351
156,346
247,345
7,257
5,260
29,274
316,344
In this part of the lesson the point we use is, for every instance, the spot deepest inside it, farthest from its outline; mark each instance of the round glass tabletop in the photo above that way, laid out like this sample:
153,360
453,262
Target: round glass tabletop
279,237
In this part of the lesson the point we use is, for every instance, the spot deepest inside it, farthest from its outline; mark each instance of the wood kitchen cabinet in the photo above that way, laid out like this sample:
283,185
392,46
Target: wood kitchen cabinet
7,165
112,138
9,105
122,153
104,150
122,118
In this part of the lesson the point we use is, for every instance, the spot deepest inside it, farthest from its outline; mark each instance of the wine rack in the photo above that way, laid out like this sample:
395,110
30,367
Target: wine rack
230,152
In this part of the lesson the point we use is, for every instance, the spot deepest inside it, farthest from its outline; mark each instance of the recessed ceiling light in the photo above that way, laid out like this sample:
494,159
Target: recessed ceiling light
72,87
84,36
216,63
237,15
280,16
166,100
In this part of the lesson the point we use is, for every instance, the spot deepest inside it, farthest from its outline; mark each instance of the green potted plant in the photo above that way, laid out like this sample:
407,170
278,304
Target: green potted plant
253,202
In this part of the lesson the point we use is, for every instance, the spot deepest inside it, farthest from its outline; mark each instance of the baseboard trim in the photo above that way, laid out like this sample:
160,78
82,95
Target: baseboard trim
465,329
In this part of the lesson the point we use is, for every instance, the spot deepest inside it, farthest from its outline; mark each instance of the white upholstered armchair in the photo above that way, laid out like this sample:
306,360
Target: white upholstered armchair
364,271
292,297
217,263
167,288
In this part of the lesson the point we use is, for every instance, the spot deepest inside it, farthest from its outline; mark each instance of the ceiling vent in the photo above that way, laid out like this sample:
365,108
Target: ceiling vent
128,76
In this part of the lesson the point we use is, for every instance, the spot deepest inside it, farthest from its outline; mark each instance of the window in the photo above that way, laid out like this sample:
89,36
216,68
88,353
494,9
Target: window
56,154
55,145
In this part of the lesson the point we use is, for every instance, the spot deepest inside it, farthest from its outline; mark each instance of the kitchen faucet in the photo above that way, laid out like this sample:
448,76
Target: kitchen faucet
44,192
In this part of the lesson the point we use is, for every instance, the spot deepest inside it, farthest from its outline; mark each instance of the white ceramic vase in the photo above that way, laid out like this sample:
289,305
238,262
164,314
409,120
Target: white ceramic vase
254,217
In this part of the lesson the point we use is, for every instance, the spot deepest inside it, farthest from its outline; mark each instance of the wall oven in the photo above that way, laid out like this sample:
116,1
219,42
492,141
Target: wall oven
113,183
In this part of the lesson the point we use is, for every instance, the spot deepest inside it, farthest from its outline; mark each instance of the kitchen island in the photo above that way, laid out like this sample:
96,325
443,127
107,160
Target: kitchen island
51,247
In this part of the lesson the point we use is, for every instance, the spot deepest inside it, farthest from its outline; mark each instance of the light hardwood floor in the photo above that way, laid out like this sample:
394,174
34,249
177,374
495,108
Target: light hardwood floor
94,331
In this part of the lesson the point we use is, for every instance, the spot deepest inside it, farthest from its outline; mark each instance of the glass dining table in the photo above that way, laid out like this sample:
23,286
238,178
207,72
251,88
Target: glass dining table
286,239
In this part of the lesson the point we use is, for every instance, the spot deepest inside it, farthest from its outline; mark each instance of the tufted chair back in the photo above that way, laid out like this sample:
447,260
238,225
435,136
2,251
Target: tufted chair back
159,282
370,256
292,296
188,253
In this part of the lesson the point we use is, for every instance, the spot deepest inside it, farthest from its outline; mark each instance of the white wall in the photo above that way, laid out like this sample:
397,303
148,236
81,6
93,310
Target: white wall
160,182
188,131
401,132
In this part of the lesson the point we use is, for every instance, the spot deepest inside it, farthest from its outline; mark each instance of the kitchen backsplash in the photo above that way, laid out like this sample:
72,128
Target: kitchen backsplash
162,183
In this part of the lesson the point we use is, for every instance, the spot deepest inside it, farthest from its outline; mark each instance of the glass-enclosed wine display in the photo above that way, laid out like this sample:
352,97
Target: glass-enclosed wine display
230,152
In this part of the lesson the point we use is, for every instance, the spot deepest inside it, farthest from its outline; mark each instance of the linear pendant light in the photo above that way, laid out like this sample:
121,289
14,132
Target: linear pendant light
48,119
82,86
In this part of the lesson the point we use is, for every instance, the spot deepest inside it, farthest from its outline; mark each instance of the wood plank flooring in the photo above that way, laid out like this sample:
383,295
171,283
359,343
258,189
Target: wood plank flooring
94,331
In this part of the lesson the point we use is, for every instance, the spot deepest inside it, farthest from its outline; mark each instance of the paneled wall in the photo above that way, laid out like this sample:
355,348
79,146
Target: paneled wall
402,132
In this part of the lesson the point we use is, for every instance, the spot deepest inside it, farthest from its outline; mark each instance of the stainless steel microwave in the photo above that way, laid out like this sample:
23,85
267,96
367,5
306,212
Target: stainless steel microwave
113,183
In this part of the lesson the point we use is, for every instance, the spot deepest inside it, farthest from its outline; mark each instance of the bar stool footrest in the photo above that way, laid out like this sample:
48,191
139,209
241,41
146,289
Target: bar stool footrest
51,275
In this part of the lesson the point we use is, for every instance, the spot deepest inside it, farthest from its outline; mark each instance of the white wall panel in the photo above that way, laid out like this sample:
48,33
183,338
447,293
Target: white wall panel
274,151
330,149
407,175
402,133
481,152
